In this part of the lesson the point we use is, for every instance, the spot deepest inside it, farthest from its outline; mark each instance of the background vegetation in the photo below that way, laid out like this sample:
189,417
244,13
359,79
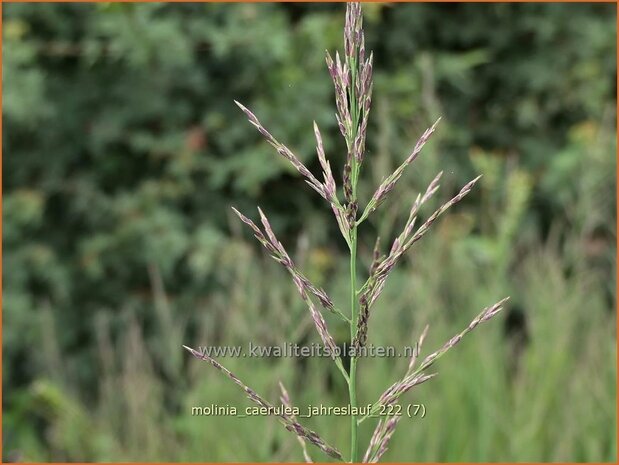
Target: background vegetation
123,152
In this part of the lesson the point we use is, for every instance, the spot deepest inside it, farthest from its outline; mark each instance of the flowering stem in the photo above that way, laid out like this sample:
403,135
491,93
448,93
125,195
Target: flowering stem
353,360
352,383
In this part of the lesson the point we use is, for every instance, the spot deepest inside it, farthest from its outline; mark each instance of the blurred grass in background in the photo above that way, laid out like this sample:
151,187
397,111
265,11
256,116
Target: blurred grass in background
123,152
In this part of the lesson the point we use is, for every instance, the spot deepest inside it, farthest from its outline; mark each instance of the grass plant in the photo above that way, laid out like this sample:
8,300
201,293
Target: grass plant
352,78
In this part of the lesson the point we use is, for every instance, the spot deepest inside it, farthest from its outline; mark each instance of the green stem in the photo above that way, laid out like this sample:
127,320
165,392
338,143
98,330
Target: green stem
352,387
352,377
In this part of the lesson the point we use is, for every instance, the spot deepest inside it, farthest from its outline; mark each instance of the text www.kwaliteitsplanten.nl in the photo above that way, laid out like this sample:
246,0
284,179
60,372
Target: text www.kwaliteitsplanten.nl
292,350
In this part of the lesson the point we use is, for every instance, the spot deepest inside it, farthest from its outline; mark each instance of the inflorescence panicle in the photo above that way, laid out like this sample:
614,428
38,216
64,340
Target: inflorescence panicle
351,74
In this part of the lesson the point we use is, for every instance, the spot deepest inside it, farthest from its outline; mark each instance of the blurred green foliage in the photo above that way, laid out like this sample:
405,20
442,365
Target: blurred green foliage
123,152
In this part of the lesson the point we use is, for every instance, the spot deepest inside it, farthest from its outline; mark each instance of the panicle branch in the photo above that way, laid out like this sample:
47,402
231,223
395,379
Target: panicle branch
285,152
484,316
277,251
328,189
415,377
289,422
389,183
382,267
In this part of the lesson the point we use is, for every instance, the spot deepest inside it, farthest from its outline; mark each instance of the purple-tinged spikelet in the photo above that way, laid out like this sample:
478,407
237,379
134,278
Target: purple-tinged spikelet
329,181
380,439
285,399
